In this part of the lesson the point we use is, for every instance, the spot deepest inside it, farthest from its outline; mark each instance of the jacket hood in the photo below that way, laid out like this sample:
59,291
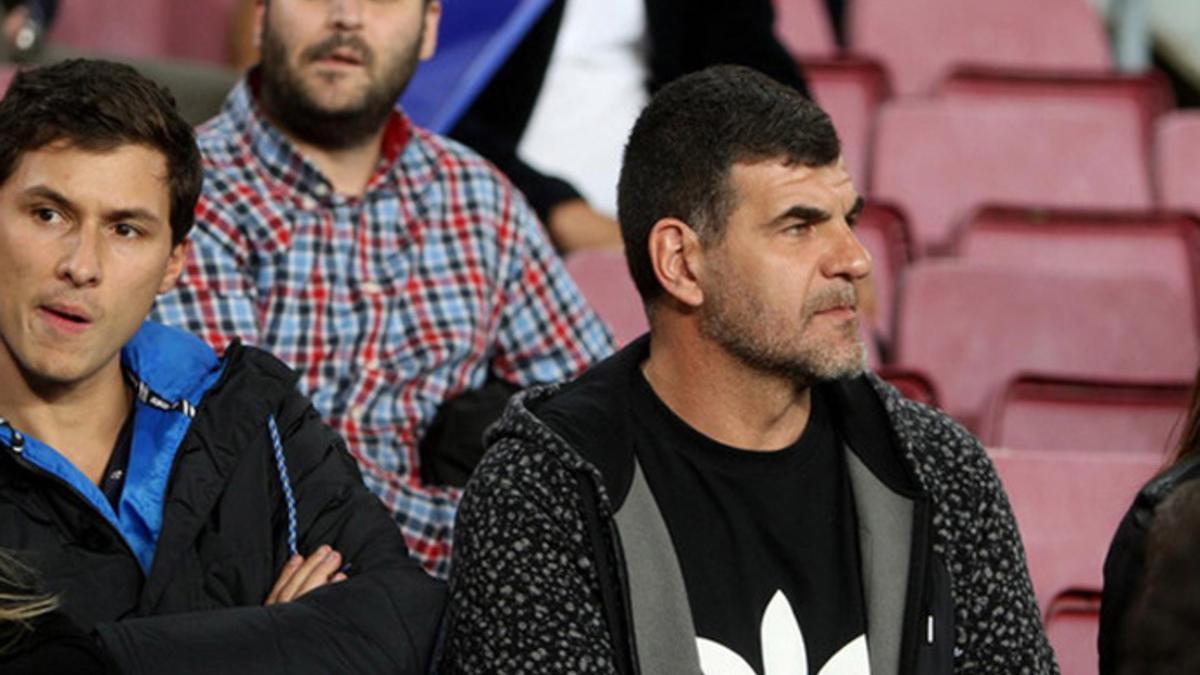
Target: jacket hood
585,422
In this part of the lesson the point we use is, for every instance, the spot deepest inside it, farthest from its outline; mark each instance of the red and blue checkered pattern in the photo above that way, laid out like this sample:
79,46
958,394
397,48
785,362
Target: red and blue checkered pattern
388,303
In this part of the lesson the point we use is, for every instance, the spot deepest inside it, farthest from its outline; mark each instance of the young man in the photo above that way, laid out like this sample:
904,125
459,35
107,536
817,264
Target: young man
733,493
394,269
193,510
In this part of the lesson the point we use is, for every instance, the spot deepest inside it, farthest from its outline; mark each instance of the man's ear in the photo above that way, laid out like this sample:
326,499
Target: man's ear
433,17
179,255
677,258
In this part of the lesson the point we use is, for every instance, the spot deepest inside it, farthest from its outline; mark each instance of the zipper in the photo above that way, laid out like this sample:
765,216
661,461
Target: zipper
80,500
598,531
911,637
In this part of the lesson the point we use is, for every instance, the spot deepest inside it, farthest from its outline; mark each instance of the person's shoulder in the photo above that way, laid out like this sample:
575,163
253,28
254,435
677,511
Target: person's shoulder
943,453
219,138
443,160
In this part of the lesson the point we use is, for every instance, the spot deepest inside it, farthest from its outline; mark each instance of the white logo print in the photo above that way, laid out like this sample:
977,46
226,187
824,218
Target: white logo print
782,649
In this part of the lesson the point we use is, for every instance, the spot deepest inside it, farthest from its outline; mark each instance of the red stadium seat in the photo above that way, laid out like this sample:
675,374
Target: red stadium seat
196,29
200,29
920,41
1177,158
804,27
913,384
7,72
973,328
940,159
1072,626
1067,505
883,232
604,279
1155,245
1038,413
124,27
851,91
1148,96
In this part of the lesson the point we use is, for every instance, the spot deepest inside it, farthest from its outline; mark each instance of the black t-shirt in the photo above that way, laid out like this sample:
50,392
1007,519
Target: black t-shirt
754,530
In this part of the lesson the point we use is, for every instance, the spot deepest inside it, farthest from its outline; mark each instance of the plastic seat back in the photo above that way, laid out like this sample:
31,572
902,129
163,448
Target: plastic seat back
1067,505
851,91
1073,626
973,328
120,27
1177,154
1146,96
939,160
1039,413
1149,245
603,278
883,232
920,41
804,27
7,73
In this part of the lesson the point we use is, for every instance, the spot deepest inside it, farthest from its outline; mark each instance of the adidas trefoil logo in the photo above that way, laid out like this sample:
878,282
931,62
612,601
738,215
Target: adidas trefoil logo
782,649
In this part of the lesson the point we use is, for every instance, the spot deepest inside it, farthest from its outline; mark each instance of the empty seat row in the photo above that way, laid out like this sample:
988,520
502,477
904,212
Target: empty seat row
194,30
1087,414
1067,506
972,327
921,41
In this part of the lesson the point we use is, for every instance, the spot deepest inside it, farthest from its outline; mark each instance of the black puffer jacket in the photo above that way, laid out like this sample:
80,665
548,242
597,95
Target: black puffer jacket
223,541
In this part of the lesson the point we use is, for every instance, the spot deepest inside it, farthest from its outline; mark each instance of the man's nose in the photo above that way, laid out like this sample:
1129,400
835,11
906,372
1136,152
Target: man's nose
346,14
81,260
848,257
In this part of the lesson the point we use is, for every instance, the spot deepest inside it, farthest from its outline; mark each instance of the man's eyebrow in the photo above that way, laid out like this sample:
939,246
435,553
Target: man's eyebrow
808,214
51,195
116,215
131,214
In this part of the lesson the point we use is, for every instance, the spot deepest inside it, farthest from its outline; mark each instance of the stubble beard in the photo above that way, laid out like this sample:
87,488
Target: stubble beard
288,101
735,319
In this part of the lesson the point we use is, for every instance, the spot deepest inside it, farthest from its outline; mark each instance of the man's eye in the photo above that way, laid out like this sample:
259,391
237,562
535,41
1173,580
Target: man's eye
126,230
47,215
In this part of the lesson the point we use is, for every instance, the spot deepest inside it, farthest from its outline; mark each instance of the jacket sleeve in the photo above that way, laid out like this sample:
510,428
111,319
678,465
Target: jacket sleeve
1000,625
383,619
524,591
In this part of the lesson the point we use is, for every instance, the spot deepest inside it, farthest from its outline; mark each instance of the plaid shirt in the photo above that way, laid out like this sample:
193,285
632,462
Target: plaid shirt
387,304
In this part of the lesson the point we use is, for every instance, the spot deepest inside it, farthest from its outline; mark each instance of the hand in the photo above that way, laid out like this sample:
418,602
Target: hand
574,225
301,575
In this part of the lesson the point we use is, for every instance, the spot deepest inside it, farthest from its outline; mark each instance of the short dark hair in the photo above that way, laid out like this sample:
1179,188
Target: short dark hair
685,142
100,105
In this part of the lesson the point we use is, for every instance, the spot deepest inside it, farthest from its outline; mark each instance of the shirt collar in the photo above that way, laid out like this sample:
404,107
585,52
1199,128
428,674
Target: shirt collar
170,369
285,164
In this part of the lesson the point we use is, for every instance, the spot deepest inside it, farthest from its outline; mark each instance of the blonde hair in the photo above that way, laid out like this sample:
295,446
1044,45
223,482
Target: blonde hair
19,603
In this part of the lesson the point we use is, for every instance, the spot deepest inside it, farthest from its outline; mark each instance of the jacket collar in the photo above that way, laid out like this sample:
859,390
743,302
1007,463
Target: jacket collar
289,171
590,415
171,371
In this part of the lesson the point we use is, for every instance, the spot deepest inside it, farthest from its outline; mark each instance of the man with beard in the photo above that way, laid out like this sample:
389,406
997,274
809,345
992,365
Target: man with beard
395,269
733,493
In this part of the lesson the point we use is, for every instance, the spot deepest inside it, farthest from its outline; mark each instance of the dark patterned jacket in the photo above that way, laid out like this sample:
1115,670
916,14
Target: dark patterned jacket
563,562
